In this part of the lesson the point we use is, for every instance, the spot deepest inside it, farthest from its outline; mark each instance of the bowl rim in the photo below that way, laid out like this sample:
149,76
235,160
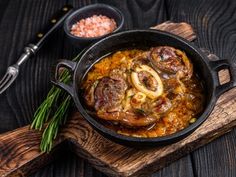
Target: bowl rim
168,138
89,7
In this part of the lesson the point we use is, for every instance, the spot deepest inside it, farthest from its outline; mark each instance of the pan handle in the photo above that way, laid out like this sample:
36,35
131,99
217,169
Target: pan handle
220,65
67,86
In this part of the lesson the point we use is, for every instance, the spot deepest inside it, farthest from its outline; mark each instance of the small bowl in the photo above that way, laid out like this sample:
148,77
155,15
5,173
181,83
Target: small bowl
88,11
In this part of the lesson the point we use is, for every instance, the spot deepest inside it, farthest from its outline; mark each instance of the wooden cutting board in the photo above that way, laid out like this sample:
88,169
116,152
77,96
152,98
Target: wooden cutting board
20,155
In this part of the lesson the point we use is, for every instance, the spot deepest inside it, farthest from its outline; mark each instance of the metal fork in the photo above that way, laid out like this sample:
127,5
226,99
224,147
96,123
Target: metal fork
12,71
31,49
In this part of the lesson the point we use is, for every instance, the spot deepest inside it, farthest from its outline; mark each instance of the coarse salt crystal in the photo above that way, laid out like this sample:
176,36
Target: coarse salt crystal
94,26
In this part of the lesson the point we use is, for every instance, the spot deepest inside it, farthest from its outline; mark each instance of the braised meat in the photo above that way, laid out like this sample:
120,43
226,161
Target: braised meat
109,94
130,119
171,60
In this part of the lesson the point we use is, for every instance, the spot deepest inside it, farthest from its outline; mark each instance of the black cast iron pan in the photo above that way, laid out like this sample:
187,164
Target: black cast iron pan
207,71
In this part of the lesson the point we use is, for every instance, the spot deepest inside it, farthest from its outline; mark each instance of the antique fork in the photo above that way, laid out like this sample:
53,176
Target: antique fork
31,49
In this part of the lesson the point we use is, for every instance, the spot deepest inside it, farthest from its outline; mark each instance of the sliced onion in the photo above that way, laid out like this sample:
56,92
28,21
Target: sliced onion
139,86
187,63
139,97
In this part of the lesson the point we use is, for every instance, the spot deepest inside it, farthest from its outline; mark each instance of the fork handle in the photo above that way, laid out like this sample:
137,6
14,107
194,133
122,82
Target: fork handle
28,52
55,22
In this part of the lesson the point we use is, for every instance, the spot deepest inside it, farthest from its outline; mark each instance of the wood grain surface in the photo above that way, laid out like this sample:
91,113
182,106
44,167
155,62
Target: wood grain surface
20,148
214,22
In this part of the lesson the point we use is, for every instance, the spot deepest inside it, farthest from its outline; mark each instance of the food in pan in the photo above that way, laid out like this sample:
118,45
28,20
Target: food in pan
144,93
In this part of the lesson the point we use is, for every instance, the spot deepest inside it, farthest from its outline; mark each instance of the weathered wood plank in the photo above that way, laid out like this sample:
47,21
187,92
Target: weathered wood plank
217,158
139,13
3,7
179,168
72,166
214,23
188,32
21,22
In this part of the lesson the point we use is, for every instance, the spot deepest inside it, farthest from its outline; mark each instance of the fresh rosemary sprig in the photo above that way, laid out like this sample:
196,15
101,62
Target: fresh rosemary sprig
51,130
43,112
53,117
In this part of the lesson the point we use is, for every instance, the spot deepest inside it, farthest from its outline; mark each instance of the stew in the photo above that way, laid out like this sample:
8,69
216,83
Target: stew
144,93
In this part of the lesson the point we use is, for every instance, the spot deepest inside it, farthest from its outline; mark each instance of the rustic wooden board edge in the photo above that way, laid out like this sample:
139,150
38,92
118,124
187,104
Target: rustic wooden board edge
26,156
95,161
181,29
42,160
151,168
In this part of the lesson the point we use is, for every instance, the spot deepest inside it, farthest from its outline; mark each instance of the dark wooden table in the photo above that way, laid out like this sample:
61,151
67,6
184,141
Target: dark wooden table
215,25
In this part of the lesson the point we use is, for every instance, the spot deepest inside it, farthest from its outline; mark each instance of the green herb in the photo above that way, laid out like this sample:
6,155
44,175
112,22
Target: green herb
51,130
53,117
140,112
162,58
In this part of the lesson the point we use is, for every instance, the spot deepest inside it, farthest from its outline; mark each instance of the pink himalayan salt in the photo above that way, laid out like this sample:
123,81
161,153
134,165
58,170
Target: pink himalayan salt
94,26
